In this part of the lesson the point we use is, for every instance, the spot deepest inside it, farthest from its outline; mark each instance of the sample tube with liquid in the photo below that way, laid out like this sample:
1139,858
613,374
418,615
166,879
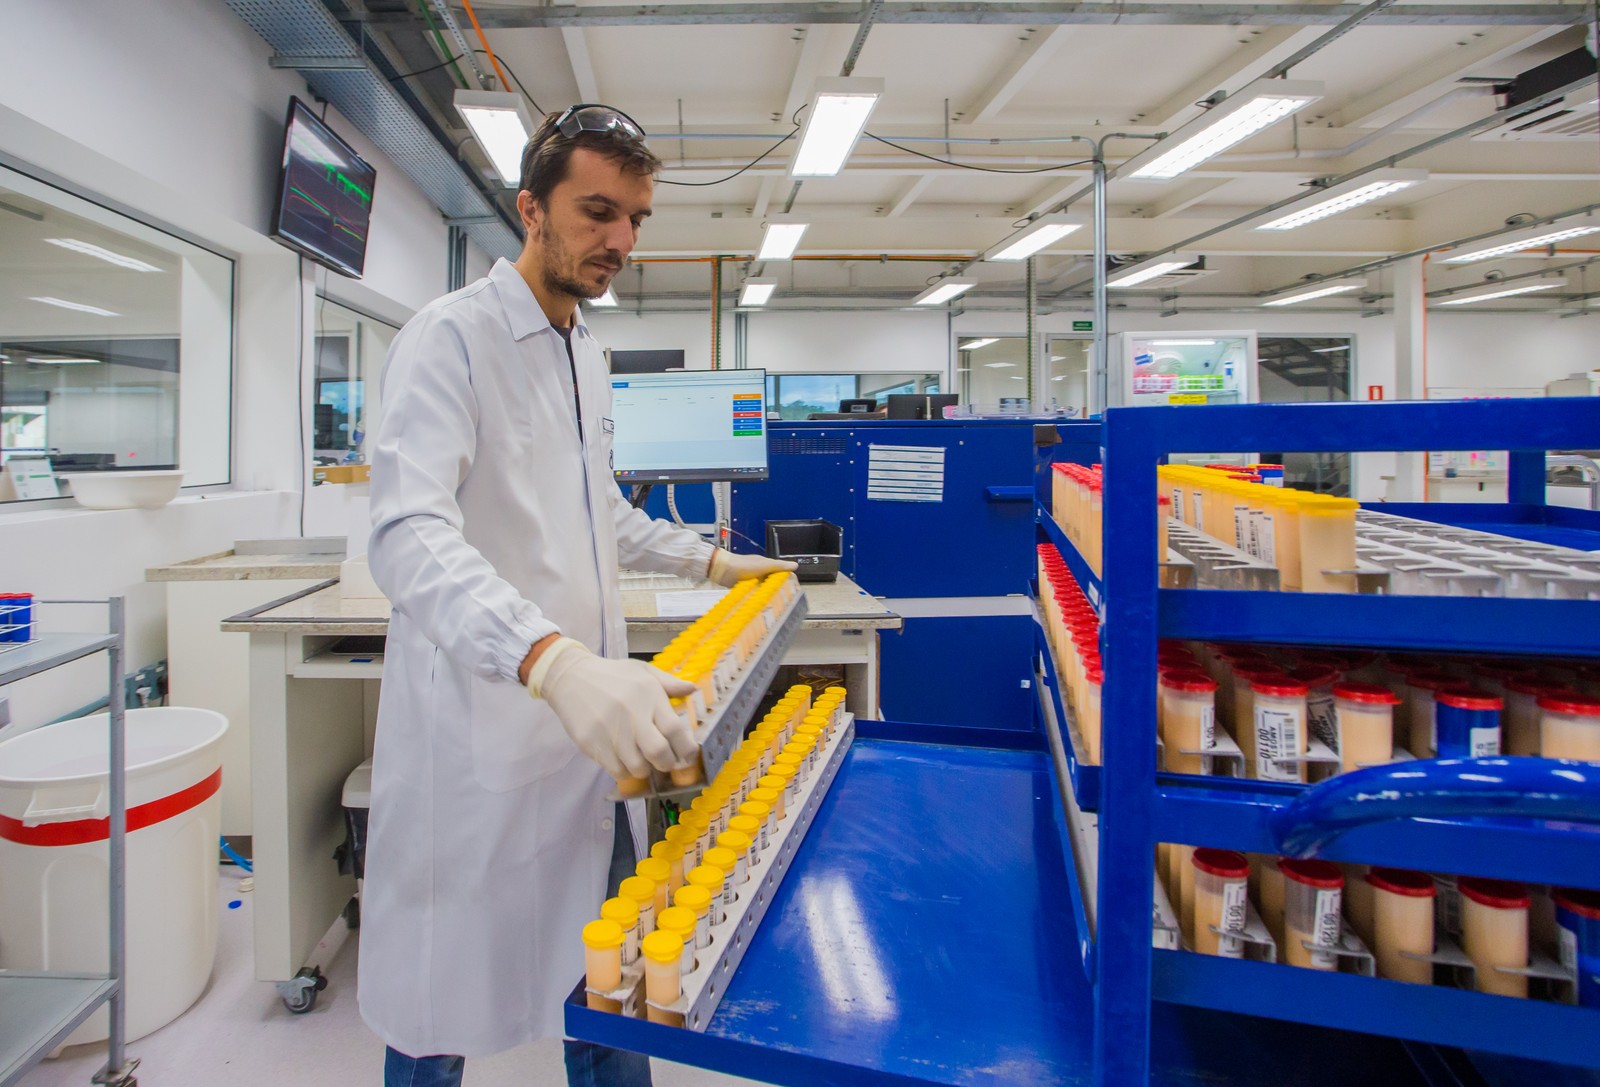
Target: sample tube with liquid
641,891
659,873
1241,701
1494,933
769,790
1363,725
1327,544
672,853
693,897
759,825
681,922
1221,891
1402,923
663,970
1569,727
1578,944
711,878
1280,728
739,844
1320,681
625,912
602,963
1467,724
1422,726
1312,892
1188,721
728,862
1520,725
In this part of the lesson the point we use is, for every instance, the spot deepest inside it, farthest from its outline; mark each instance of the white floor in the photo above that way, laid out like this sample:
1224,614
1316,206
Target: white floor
239,1035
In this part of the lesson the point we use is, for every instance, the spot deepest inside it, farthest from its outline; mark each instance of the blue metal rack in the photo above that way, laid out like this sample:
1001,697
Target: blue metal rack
1139,807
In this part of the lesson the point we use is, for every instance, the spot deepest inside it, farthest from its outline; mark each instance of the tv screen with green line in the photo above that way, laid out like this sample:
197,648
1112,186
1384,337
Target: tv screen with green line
324,195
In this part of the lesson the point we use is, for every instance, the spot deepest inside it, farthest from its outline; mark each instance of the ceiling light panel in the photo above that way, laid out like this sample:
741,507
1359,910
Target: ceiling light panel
1320,290
1503,292
834,122
756,292
501,124
1255,108
1336,199
779,240
1135,274
944,290
1041,233
1537,238
80,307
89,249
973,345
606,300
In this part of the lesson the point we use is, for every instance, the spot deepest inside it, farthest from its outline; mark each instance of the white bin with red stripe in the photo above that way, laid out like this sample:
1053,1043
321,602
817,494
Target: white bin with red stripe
54,859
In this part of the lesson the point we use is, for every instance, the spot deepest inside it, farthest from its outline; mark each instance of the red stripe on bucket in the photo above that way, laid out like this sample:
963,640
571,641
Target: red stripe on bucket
84,831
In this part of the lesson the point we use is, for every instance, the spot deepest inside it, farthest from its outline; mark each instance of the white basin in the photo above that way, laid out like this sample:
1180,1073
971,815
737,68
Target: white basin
124,490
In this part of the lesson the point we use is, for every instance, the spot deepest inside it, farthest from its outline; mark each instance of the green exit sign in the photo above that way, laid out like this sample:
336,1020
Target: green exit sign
1083,326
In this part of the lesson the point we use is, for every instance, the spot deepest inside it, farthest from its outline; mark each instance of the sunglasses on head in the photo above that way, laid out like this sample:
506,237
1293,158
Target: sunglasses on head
594,117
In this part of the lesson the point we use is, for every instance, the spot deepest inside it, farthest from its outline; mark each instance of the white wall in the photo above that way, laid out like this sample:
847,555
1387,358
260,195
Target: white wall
168,108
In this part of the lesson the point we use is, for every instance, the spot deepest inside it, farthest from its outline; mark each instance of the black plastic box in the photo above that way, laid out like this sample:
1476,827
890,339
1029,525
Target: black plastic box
814,545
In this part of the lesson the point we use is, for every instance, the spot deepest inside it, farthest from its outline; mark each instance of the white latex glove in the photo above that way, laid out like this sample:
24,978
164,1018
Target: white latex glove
728,569
616,711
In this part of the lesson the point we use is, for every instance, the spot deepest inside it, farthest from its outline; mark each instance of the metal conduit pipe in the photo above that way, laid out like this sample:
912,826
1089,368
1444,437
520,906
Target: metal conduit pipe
1446,292
1392,127
769,137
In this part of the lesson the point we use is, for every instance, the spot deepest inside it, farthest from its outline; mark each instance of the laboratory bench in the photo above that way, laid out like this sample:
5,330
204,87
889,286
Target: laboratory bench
315,659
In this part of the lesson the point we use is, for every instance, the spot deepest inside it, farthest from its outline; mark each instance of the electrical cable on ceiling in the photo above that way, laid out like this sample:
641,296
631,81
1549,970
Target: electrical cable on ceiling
424,71
438,36
515,79
969,166
492,59
753,162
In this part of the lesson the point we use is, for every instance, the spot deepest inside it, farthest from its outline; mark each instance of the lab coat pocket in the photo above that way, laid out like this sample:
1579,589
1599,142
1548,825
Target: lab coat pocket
515,740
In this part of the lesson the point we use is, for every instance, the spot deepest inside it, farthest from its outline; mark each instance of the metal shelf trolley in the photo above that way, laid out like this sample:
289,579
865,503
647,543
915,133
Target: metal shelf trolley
39,1010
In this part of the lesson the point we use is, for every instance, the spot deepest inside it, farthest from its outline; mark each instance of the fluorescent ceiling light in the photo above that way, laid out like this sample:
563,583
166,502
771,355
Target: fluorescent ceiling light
1329,350
91,250
1042,233
1183,343
606,300
757,291
1324,203
502,125
1237,118
1534,238
1000,365
1504,292
973,345
780,240
78,306
64,361
838,115
1320,290
943,291
1135,274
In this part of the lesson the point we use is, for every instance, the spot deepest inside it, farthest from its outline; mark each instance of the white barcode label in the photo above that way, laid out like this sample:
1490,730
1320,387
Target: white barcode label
1277,737
1320,717
1234,897
1268,540
1485,742
1567,950
1199,512
630,946
1432,710
1326,930
1208,727
1177,503
1241,527
1253,526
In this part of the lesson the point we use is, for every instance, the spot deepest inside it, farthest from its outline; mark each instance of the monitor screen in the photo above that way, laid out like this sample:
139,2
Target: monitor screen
324,195
689,426
645,362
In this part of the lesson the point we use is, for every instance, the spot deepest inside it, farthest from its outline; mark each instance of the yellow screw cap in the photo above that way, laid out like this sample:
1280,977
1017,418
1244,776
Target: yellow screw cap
662,946
623,911
694,897
602,935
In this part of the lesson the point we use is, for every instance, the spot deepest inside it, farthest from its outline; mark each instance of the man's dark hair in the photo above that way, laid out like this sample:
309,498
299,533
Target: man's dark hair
545,160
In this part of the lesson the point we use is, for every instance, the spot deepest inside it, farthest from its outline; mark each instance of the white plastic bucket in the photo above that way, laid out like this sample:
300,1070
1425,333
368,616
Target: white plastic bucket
54,857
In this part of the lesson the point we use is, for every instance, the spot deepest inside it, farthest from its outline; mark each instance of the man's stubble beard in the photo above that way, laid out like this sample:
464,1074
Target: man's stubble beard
555,279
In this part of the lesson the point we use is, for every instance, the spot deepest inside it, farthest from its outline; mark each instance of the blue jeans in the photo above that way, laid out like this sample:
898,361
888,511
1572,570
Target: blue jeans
587,1065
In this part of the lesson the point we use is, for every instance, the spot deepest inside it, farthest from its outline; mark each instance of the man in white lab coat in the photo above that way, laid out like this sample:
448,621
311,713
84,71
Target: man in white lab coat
497,535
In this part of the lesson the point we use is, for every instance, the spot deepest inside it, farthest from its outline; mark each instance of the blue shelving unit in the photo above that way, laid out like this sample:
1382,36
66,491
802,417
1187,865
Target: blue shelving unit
1139,807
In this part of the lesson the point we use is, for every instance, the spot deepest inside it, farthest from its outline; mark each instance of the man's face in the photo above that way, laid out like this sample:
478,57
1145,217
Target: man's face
583,238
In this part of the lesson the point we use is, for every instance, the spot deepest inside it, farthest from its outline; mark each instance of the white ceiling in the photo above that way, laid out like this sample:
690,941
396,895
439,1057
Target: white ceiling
1011,83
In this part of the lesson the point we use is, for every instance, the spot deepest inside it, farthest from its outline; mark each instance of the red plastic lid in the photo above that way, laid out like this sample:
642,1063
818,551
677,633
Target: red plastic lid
1195,681
1432,681
1318,874
1163,500
1465,698
1286,686
1567,701
1534,685
1222,862
1094,674
1399,881
1372,694
1582,903
1501,894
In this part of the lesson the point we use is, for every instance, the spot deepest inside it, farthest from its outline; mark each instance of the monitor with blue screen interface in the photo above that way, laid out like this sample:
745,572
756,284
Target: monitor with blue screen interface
689,426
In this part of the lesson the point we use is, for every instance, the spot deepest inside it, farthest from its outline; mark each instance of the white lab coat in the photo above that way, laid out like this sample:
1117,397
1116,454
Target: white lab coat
493,525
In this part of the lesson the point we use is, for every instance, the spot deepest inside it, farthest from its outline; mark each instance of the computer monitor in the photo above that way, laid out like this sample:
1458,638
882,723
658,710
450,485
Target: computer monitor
862,406
937,402
920,405
689,426
645,362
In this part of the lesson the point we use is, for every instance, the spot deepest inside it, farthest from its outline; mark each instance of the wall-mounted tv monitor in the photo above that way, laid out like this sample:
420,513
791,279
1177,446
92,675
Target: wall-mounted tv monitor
690,426
324,195
645,362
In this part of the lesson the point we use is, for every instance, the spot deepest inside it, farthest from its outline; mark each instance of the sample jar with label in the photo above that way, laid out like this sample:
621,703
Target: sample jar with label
642,893
1578,943
730,863
769,790
672,853
1363,724
663,969
712,879
1221,890
1421,725
751,827
1521,724
1402,922
684,838
1320,680
1312,891
1327,544
1089,719
1188,721
739,844
694,897
1467,724
602,962
1280,728
659,873
1494,933
700,826
1569,727
625,912
1270,895
681,922
1241,701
